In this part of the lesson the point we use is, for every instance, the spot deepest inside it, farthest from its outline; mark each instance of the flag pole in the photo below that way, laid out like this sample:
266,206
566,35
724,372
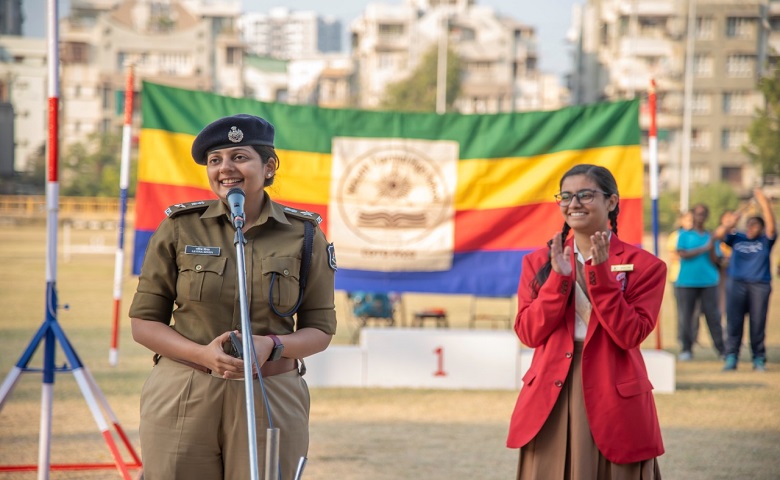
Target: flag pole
653,148
124,180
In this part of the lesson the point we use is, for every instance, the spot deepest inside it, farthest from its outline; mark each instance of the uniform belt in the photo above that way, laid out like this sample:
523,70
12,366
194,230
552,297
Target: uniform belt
269,369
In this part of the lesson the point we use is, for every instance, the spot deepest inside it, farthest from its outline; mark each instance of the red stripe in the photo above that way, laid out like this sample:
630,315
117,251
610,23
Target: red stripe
530,226
53,145
160,197
524,227
157,197
129,96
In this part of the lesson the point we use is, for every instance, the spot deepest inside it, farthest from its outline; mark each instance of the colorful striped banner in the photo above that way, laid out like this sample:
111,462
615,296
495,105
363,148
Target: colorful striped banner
476,189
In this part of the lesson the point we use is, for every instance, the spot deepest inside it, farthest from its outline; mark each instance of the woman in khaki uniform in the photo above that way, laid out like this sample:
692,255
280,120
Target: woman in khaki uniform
193,416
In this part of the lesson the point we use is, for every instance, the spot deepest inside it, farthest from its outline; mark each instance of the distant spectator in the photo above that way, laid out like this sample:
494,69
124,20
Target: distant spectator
684,222
698,282
750,281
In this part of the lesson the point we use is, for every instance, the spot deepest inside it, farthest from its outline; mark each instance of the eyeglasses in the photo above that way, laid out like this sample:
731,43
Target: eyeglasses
584,196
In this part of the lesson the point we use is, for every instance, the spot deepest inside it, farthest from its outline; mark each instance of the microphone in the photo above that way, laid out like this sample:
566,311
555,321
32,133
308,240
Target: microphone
235,198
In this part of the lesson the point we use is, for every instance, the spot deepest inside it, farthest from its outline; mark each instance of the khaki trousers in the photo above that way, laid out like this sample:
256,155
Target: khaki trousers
193,424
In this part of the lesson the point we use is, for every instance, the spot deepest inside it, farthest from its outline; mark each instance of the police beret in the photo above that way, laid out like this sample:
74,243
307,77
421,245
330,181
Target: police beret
233,131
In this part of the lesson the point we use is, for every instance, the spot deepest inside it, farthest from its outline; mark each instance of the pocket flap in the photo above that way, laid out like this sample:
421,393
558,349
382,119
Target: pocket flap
634,387
203,263
283,266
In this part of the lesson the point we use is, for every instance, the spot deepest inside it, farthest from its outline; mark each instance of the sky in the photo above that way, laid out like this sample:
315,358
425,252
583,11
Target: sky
551,18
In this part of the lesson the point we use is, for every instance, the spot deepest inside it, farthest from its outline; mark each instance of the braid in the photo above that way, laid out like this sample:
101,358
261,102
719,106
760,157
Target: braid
613,218
544,273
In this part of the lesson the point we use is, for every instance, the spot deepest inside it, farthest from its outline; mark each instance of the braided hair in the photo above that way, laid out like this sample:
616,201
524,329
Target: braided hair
606,181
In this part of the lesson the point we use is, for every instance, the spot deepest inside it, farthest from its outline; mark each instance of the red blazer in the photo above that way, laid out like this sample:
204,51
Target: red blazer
618,395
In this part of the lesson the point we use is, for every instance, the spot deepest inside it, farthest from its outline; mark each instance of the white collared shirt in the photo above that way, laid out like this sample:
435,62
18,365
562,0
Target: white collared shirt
582,305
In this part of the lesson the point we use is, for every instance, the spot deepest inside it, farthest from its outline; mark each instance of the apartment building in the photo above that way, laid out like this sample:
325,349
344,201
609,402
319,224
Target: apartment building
23,94
499,54
622,44
191,44
286,34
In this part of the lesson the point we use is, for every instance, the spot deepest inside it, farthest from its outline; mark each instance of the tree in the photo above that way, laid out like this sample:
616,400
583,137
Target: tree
417,93
763,147
718,197
32,181
91,169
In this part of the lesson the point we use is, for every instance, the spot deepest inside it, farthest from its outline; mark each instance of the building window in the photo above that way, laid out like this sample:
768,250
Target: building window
701,103
702,65
385,61
739,27
233,56
483,67
390,31
604,34
732,139
732,175
740,65
700,140
736,102
704,28
106,97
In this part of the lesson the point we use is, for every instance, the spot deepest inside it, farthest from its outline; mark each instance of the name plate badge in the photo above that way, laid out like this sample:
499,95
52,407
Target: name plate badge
200,250
627,267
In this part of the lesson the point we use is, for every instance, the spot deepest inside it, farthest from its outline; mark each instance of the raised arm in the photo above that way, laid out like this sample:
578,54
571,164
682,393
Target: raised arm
770,224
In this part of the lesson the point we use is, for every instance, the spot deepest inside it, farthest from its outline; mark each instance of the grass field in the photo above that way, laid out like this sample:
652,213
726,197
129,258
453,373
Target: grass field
716,426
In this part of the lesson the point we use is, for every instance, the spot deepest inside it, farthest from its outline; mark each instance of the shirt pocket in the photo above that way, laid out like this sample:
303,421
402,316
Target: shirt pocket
280,281
201,278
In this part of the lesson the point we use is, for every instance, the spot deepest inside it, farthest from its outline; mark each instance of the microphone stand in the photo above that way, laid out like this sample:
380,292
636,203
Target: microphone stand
246,329
248,354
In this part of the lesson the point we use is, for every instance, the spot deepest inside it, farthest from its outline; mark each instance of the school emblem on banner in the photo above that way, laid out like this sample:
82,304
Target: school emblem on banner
392,203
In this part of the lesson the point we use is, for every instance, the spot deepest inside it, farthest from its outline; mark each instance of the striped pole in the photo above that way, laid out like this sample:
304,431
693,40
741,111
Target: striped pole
653,147
124,180
52,209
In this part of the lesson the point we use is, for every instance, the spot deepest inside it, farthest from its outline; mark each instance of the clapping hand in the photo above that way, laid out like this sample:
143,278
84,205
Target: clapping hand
599,247
560,257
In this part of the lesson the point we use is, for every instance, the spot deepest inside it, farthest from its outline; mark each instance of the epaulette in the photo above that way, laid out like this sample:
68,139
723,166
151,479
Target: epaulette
188,207
315,218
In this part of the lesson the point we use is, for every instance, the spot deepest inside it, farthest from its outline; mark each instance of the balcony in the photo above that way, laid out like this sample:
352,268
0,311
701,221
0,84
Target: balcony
649,8
655,46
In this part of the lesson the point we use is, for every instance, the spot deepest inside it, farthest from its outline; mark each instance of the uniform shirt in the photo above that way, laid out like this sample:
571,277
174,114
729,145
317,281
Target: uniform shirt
750,260
698,271
189,274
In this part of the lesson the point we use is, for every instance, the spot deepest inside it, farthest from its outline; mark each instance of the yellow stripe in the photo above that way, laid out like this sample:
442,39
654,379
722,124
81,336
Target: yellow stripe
164,157
482,184
500,183
303,177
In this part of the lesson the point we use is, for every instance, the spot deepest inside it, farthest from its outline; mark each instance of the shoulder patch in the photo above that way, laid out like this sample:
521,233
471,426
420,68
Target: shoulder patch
303,215
188,207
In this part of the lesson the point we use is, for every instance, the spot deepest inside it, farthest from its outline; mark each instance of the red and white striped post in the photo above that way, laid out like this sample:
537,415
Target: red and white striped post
124,180
653,149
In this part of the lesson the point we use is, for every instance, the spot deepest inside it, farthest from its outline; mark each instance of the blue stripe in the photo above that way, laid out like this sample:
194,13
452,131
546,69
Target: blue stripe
139,249
481,273
484,273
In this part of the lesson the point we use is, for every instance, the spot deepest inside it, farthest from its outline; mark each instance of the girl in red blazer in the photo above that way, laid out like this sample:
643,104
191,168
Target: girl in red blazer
586,408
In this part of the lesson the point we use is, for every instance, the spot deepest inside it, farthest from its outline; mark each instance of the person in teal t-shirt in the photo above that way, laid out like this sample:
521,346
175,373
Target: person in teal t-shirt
698,282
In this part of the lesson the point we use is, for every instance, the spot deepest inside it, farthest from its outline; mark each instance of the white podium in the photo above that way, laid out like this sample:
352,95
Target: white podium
444,359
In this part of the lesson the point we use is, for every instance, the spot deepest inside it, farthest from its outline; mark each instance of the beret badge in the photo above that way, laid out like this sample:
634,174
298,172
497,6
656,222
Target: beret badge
235,135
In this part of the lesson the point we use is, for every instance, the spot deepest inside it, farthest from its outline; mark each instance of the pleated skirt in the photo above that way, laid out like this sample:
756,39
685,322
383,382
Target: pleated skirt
564,448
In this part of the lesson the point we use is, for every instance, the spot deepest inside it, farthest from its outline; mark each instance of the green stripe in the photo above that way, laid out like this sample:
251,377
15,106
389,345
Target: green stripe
308,128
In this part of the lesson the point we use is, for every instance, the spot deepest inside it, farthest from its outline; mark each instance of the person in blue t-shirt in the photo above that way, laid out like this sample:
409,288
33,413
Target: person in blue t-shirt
698,282
750,280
